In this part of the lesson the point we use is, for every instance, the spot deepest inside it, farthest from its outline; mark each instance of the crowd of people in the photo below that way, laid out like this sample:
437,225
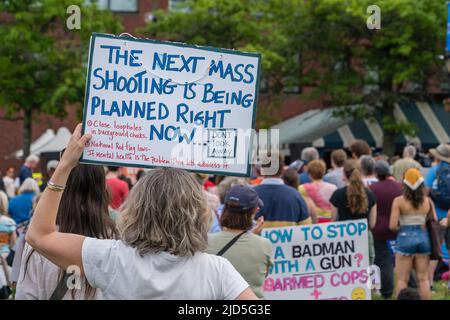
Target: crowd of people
171,234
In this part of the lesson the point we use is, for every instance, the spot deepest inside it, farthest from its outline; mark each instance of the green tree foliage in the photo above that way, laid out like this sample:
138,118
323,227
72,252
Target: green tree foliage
324,45
353,64
234,24
42,63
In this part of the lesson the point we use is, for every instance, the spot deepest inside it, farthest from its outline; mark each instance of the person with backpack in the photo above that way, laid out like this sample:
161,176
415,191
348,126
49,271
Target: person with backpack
438,183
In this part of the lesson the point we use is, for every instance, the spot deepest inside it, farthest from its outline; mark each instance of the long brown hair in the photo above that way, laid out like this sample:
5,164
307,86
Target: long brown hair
415,197
356,193
84,210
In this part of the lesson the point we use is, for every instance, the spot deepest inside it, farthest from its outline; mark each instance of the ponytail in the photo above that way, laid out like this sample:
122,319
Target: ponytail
356,193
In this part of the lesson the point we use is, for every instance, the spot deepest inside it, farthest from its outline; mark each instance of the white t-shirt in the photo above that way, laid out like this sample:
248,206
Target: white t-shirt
121,273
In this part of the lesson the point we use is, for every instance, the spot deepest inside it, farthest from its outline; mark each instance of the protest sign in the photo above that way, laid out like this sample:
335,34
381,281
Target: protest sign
326,261
150,103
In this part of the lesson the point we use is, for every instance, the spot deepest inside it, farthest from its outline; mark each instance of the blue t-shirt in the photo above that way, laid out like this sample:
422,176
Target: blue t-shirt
304,178
431,181
20,207
283,205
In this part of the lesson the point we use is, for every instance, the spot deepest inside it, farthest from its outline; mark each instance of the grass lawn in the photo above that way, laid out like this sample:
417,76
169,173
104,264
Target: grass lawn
440,292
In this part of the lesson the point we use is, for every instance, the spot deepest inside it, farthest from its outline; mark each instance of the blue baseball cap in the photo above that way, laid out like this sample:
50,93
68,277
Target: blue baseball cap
241,198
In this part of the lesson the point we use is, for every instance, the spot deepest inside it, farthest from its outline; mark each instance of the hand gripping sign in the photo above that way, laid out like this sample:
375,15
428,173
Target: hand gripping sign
150,103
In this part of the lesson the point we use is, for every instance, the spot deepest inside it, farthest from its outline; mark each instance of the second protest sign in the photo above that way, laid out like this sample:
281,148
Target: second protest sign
327,261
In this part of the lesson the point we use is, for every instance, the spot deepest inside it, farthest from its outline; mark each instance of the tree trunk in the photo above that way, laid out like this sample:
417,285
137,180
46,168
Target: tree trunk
388,135
388,143
26,136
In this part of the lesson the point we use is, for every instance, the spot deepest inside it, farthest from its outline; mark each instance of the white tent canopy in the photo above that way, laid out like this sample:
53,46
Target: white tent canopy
48,142
44,139
310,125
58,143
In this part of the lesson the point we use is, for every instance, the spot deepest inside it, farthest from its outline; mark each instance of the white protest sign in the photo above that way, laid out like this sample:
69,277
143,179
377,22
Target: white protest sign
150,103
326,261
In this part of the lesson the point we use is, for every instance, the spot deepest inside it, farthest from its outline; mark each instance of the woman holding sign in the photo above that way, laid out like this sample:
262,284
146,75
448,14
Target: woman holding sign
163,231
408,217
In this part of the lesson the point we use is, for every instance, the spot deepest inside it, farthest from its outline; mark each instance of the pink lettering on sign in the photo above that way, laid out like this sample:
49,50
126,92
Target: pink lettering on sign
316,294
349,278
294,283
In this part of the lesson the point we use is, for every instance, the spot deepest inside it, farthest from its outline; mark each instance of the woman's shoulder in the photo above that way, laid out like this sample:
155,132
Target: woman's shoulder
340,192
399,199
211,261
100,245
218,236
258,239
329,185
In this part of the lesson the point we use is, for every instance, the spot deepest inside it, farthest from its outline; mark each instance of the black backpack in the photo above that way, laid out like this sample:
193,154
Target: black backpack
441,194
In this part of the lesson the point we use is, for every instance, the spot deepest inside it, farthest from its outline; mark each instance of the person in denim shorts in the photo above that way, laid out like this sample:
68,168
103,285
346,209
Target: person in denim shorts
408,218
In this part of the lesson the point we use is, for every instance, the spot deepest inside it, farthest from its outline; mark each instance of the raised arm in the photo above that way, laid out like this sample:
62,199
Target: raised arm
63,249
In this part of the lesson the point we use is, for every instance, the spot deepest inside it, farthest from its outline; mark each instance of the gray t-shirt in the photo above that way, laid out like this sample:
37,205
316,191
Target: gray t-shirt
121,273
251,255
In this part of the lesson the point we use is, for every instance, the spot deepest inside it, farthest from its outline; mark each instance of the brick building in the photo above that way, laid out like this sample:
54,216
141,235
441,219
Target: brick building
134,14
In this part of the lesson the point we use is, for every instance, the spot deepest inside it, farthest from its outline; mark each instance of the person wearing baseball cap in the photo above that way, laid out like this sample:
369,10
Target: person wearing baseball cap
413,246
249,253
385,190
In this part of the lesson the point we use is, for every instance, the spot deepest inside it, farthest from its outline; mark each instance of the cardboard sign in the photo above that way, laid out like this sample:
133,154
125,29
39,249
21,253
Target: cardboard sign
151,103
328,261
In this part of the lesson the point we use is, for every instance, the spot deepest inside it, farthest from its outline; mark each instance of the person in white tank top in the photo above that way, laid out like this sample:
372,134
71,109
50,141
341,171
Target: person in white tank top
413,246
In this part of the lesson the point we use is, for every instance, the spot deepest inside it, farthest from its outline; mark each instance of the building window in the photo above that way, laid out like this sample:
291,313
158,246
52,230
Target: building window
117,5
175,4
